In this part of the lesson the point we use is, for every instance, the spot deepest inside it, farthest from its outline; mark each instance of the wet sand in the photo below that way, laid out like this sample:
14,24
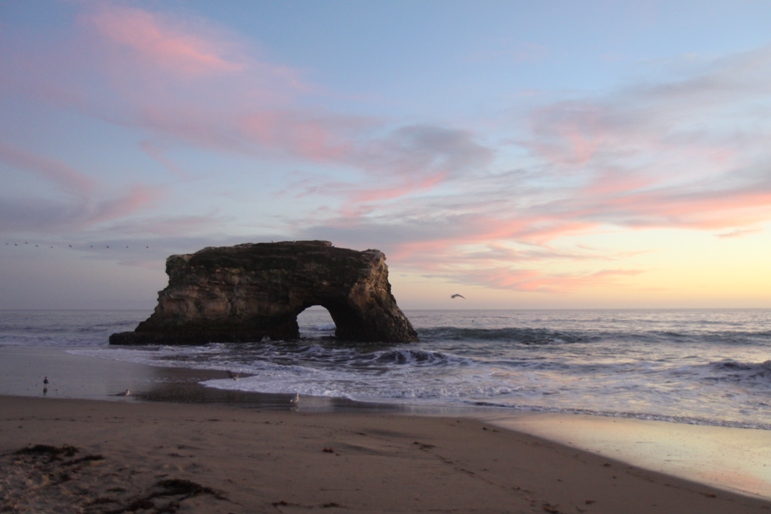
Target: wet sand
72,376
735,459
175,445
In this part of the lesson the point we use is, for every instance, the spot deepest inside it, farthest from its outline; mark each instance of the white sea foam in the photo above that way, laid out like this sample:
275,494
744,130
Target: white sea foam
705,367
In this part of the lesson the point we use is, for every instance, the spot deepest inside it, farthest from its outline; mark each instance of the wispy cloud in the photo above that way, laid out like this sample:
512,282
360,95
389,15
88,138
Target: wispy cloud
687,154
162,40
68,178
40,214
85,201
156,149
446,197
739,233
535,281
188,83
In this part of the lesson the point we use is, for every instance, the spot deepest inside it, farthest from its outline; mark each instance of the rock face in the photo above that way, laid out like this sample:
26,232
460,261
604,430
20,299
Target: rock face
247,292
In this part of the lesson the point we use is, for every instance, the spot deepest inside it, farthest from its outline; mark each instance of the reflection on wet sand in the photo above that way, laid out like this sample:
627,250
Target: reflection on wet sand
735,459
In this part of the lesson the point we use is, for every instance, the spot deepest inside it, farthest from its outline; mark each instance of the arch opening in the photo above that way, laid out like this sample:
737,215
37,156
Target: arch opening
315,322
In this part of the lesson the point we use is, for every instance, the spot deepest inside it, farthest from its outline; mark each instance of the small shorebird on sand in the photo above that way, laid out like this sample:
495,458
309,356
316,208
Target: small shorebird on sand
124,393
295,400
234,376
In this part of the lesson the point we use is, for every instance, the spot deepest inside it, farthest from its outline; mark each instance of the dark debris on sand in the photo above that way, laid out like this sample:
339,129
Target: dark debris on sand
44,478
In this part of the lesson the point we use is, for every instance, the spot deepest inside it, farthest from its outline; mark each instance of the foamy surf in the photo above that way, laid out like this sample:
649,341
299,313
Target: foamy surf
706,367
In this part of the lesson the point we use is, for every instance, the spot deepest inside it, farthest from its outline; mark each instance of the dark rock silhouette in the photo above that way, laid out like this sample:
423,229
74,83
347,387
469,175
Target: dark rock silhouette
251,291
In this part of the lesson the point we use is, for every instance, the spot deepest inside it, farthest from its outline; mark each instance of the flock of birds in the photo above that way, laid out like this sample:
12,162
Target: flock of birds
68,246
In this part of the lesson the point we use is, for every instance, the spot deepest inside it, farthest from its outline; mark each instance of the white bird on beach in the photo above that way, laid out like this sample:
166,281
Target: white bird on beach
124,393
296,399
456,295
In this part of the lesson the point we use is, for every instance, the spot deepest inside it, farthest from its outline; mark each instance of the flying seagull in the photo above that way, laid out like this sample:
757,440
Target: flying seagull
456,295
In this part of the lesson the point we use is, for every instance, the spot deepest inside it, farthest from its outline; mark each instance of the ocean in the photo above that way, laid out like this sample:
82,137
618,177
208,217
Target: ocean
704,367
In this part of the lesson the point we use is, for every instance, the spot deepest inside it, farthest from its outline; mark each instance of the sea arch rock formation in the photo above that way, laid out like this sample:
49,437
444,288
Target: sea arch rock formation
250,291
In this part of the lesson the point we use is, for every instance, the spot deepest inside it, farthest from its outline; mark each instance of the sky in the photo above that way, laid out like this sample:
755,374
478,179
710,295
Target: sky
528,155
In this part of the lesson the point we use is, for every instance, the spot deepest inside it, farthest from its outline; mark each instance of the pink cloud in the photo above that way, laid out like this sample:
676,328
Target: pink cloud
537,281
188,83
168,228
464,265
568,133
740,233
677,155
318,139
181,80
87,204
482,230
165,42
70,179
612,181
689,207
136,198
156,150
405,188
400,163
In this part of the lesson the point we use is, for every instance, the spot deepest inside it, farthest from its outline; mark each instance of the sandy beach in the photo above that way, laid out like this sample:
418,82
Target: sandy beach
107,456
174,446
